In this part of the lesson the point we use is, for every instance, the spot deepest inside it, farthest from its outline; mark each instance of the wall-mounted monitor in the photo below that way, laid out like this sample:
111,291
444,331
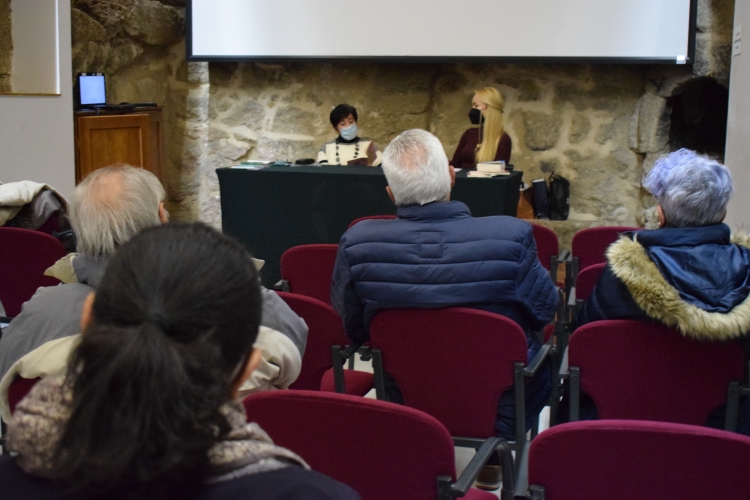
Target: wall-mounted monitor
624,31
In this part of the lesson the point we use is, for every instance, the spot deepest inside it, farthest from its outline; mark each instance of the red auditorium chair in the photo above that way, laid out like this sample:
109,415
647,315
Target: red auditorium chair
587,279
379,217
625,459
325,332
547,245
382,450
24,256
647,371
308,269
589,245
454,364
18,390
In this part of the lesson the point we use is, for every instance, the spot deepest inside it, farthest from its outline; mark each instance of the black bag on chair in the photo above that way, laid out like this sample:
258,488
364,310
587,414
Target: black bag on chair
559,197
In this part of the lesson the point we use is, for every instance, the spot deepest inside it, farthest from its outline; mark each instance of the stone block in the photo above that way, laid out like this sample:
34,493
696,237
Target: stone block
84,28
155,23
109,13
296,121
5,83
6,39
285,150
542,130
108,57
249,113
580,126
649,128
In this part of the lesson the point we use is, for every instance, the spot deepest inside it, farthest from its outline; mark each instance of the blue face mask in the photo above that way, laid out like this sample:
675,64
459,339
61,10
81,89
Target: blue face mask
349,133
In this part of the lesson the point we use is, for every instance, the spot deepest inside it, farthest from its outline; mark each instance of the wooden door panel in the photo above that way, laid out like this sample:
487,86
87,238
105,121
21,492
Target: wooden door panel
105,140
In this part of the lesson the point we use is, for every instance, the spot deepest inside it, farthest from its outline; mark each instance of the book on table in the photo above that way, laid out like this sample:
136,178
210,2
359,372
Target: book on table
491,166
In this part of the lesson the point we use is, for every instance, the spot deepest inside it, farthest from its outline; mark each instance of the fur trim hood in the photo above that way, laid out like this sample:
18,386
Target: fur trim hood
661,301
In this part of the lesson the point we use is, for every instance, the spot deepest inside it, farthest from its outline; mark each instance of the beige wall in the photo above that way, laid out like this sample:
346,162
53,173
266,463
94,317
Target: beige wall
738,124
36,133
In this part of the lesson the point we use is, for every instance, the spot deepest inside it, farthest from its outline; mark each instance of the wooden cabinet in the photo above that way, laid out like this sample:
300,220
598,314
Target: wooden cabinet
134,136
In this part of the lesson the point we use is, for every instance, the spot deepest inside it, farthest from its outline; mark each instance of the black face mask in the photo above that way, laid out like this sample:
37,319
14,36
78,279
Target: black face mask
474,116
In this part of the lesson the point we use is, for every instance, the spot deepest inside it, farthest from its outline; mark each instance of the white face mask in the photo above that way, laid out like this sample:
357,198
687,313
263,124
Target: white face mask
349,133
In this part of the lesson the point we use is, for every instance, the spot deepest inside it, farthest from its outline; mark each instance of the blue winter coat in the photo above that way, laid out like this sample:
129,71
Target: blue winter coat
438,255
701,265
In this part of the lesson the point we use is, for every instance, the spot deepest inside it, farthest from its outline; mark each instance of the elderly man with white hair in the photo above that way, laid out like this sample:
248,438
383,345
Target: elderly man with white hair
487,263
107,208
690,273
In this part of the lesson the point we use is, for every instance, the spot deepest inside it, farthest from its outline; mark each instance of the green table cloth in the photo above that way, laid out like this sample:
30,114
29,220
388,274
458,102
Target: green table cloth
275,208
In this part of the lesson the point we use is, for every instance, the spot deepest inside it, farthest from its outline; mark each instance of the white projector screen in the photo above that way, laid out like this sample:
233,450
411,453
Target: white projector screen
599,30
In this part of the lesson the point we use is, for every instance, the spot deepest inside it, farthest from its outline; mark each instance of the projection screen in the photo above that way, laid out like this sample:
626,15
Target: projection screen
661,31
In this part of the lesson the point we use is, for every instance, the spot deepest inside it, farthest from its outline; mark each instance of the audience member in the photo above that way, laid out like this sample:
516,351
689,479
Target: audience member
108,208
348,148
148,406
488,141
690,273
435,254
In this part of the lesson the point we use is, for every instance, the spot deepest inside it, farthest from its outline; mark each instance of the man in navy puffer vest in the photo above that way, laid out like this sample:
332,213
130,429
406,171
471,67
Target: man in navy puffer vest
490,262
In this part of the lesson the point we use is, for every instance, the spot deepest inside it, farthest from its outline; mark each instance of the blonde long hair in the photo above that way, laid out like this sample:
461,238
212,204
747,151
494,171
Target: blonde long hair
493,123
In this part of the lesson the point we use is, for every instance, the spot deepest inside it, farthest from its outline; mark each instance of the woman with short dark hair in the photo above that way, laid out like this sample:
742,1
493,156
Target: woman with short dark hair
348,148
147,408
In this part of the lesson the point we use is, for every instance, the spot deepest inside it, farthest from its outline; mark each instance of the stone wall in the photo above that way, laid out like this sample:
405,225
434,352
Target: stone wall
6,45
600,126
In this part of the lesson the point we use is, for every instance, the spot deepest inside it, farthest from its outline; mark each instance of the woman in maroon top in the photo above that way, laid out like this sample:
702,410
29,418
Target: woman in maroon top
488,142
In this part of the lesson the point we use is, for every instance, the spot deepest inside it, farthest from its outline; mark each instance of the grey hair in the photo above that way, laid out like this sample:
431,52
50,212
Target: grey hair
692,189
112,205
416,168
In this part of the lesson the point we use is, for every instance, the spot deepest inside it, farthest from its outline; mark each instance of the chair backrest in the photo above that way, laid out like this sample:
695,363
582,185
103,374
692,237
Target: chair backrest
325,330
625,459
547,245
452,363
24,256
383,217
590,244
380,449
309,269
646,371
586,280
18,390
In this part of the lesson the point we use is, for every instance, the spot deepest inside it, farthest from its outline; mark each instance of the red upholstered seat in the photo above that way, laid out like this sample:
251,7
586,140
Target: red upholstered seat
18,390
646,371
325,330
24,256
625,460
452,363
383,217
308,270
547,245
382,450
586,280
589,245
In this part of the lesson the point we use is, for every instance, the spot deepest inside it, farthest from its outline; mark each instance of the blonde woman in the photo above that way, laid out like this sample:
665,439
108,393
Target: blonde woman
488,142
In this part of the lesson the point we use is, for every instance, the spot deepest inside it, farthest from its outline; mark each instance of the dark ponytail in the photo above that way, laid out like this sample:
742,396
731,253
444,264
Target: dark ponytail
175,315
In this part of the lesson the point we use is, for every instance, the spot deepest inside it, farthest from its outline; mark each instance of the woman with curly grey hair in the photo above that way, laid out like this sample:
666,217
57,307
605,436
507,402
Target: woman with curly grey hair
691,273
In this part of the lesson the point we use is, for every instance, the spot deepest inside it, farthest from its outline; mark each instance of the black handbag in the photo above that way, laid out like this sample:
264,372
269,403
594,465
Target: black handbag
559,197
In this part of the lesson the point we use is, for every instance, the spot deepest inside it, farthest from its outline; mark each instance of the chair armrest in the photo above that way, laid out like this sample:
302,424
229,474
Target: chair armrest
281,286
479,460
564,255
563,372
572,296
522,475
541,356
350,350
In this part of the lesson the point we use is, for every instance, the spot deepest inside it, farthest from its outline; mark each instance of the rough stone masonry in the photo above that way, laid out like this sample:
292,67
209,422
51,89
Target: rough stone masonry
601,126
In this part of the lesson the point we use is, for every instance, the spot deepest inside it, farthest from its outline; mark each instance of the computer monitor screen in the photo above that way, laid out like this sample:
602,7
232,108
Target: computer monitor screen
92,88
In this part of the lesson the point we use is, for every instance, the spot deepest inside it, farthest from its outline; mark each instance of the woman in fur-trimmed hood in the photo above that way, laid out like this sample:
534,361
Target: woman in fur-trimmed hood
690,273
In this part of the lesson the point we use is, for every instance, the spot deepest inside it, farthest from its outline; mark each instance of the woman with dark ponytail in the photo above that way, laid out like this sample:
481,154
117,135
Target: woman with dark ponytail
147,407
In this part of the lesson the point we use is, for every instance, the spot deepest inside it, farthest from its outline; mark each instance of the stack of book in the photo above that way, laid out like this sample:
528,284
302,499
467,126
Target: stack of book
489,169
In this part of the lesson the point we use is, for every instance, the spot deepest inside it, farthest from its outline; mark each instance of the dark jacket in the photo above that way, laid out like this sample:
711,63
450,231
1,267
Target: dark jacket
54,312
438,255
694,279
290,483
